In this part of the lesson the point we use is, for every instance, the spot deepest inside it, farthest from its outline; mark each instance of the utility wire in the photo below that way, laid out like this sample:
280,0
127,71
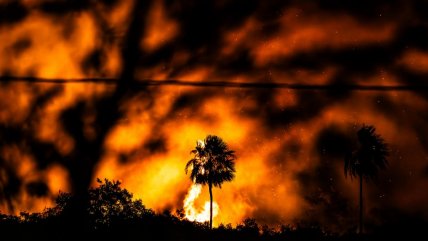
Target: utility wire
226,84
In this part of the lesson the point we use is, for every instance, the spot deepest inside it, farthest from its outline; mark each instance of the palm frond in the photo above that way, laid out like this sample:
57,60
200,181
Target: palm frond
370,157
189,164
213,162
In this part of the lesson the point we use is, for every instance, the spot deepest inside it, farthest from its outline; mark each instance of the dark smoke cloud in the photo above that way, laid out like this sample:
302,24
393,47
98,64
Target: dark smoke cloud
331,43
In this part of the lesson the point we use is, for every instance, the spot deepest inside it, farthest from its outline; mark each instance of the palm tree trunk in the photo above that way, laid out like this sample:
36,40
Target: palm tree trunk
210,187
361,205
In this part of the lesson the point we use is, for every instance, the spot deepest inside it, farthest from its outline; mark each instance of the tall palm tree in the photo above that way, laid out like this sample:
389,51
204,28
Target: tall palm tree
212,164
367,160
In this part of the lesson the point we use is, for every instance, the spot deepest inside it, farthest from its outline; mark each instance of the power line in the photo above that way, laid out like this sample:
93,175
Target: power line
255,85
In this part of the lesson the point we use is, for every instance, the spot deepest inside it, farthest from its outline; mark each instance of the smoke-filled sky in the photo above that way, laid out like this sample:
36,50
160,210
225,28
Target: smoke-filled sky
96,106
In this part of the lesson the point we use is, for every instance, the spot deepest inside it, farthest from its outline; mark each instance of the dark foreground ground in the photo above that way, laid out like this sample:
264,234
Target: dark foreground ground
111,214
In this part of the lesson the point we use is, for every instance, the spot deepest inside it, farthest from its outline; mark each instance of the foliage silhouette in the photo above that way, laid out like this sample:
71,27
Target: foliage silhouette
212,164
109,203
367,160
115,216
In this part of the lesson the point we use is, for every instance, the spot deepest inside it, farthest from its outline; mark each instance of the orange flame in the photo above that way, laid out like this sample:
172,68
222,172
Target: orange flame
278,147
191,212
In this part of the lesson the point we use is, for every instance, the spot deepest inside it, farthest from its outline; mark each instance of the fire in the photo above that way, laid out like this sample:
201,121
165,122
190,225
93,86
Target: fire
191,212
278,134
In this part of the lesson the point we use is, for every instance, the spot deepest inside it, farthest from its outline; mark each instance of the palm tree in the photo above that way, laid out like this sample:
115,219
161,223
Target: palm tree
212,164
367,160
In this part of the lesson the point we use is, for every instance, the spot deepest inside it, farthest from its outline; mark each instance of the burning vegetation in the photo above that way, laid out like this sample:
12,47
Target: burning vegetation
122,89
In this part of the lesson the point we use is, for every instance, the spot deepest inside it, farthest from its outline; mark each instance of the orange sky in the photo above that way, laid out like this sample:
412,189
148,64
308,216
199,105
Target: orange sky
289,143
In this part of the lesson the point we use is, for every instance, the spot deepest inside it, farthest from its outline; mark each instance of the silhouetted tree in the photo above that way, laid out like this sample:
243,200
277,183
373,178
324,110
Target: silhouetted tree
249,229
109,202
212,164
367,160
